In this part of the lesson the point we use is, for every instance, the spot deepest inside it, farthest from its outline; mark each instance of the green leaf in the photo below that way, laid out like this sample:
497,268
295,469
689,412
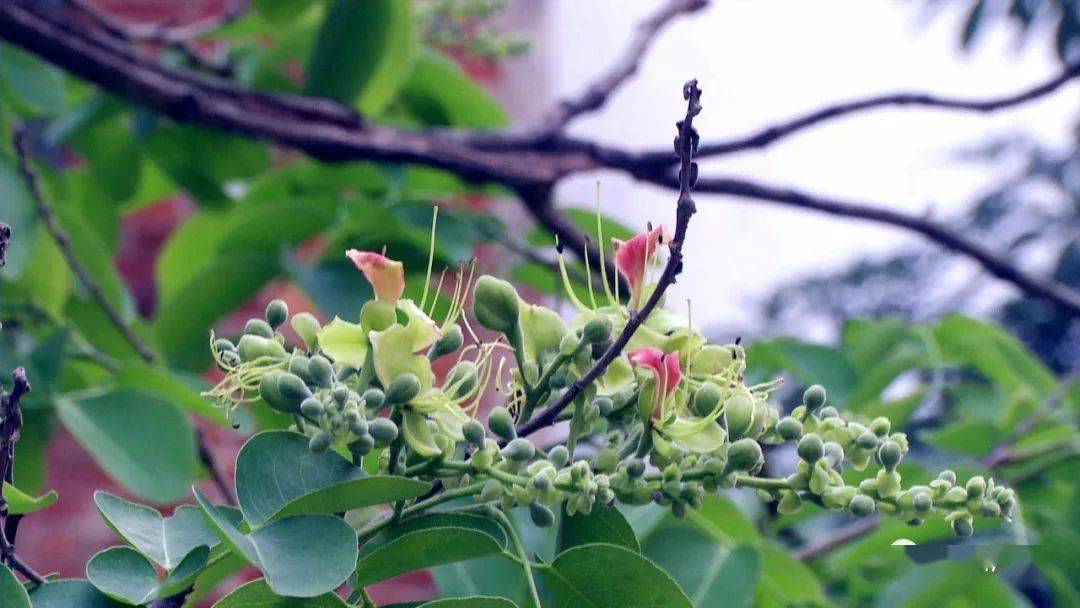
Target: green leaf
123,574
300,556
68,593
712,575
809,364
488,576
202,160
601,525
38,86
475,601
785,581
426,541
281,11
21,503
142,441
603,576
137,375
443,96
12,593
18,212
259,594
364,50
994,353
278,476
722,519
166,540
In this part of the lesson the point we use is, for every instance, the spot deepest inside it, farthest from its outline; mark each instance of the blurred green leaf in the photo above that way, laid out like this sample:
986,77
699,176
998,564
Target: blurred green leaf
441,95
17,211
67,593
710,574
12,593
785,581
601,525
38,86
583,576
203,161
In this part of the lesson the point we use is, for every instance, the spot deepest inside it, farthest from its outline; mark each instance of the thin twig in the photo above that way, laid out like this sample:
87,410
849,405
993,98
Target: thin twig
596,95
11,420
5,236
1002,452
838,538
685,145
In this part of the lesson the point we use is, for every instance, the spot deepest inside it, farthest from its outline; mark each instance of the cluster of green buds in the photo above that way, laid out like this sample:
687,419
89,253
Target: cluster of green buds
669,420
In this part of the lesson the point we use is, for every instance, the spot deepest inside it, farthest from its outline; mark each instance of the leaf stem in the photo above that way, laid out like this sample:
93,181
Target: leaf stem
526,565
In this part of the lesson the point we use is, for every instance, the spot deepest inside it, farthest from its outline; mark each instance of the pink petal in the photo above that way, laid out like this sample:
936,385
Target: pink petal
633,256
387,277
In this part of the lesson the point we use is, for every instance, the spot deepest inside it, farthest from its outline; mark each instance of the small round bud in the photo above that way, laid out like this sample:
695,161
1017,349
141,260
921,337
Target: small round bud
744,454
258,327
559,456
312,408
948,476
374,399
811,448
340,394
357,425
789,428
402,389
739,413
558,380
707,398
596,330
321,371
491,491
880,426
474,432
277,311
635,468
519,449
450,341
922,502
976,487
502,423
541,515
223,345
319,442
292,386
834,454
363,445
230,358
814,397
867,440
962,527
830,412
861,505
307,327
889,455
990,509
268,390
496,304
383,430
604,405
253,347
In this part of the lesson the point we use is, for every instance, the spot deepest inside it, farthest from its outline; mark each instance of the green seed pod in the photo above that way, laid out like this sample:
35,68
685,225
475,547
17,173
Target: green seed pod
962,526
321,371
597,330
976,487
307,327
867,441
474,432
811,448
496,305
253,347
814,397
604,405
707,398
292,386
501,423
258,327
889,455
880,426
861,505
268,390
739,414
312,408
541,515
922,502
491,491
789,428
277,311
223,345
383,430
402,389
744,455
559,456
319,442
519,450
298,364
363,445
450,340
374,399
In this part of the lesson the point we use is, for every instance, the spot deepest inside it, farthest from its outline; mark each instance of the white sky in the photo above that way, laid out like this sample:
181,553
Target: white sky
766,60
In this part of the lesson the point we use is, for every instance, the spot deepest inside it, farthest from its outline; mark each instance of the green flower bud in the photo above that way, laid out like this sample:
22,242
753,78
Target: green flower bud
374,399
501,423
819,480
377,315
838,497
811,448
744,455
230,358
604,405
814,397
834,454
541,515
607,460
947,476
253,347
671,473
789,428
363,445
258,327
922,502
319,442
558,380
307,327
312,408
739,414
861,505
880,426
340,394
962,526
292,386
276,313
402,389
491,491
223,345
889,455
321,371
383,430
976,487
707,398
519,450
831,412
635,468
867,441
268,390
496,304
474,432
956,495
789,503
559,456
596,330
990,509
357,425
450,341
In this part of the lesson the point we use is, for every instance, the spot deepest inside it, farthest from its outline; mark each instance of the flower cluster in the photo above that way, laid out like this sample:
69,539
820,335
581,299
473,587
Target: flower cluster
670,419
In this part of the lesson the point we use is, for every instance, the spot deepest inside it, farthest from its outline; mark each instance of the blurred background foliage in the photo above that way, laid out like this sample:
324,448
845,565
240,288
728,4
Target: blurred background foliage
186,228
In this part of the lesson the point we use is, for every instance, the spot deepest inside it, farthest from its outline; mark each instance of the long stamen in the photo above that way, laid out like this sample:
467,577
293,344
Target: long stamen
566,279
438,289
431,254
613,300
588,275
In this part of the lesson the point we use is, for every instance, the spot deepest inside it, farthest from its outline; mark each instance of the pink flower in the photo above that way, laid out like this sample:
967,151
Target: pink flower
665,369
633,256
386,276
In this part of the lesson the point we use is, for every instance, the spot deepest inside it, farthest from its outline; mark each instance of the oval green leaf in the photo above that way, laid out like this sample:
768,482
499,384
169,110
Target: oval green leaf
258,593
12,593
122,573
70,592
602,576
476,601
711,574
165,540
601,525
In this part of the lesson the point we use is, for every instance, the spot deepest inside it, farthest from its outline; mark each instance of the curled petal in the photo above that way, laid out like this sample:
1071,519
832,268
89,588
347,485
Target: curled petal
667,373
632,257
387,277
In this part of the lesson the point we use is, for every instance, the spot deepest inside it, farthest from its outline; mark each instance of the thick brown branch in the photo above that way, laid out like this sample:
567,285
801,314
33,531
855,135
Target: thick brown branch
596,95
685,145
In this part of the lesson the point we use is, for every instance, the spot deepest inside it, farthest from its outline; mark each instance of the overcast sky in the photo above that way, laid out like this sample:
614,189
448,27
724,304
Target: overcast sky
760,61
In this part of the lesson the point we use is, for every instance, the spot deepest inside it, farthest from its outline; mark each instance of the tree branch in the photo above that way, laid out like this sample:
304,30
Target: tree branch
1002,453
685,146
596,95
11,420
